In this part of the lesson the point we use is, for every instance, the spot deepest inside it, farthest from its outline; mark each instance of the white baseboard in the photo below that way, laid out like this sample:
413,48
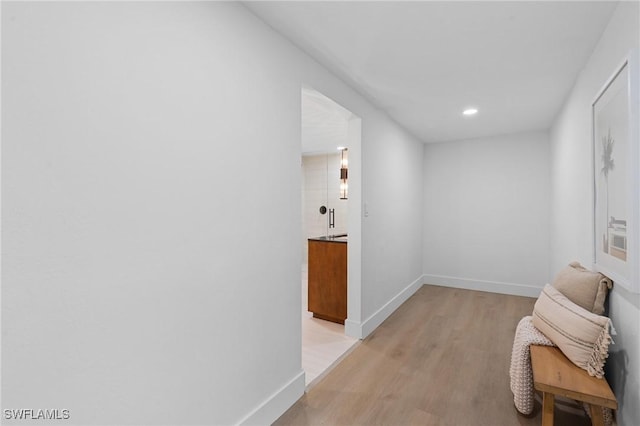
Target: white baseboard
353,328
275,406
363,329
482,285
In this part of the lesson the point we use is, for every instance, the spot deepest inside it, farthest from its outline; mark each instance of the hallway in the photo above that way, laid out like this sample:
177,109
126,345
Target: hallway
442,358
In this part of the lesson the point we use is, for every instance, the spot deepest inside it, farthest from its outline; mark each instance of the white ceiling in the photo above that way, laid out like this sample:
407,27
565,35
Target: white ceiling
325,124
424,62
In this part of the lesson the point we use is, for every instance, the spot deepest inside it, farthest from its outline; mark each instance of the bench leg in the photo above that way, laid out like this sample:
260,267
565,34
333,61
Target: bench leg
597,419
547,408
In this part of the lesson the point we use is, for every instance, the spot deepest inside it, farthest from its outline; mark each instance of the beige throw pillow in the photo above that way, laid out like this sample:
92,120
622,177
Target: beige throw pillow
581,335
583,287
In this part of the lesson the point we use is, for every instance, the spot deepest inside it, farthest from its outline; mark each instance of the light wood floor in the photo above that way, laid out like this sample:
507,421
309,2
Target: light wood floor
441,359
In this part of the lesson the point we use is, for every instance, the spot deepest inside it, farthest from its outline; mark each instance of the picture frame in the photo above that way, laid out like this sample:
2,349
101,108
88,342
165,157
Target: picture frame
616,175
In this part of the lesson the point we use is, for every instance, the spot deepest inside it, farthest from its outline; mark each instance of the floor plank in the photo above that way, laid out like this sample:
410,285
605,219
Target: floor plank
441,359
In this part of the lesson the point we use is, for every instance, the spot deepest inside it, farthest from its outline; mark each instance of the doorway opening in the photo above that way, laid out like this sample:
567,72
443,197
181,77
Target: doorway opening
330,247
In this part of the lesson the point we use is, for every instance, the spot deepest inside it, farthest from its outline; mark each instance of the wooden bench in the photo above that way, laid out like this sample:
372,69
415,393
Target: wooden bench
554,374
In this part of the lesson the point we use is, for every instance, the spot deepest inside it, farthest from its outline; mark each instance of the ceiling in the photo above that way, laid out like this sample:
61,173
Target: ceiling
325,124
425,62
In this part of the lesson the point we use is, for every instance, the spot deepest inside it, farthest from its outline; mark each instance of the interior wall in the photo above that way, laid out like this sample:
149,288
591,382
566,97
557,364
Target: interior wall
486,213
146,148
572,201
391,227
143,267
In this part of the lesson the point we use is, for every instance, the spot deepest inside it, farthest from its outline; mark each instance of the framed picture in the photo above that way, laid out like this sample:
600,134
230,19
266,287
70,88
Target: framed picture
616,175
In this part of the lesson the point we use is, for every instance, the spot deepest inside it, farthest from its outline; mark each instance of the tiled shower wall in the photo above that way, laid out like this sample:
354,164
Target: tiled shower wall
321,187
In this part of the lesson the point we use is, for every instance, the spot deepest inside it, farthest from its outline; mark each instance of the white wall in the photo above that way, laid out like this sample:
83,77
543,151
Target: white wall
134,201
572,201
392,226
145,149
486,213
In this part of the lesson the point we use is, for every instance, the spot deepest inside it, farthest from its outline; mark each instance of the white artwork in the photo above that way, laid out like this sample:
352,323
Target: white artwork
615,171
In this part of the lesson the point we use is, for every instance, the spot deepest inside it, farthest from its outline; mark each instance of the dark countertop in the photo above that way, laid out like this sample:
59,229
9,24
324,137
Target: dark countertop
340,238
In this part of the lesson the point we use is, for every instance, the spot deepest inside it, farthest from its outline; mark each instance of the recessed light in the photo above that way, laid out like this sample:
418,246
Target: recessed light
470,111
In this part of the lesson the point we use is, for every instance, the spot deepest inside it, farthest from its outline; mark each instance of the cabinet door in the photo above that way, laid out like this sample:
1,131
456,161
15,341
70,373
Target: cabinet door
328,280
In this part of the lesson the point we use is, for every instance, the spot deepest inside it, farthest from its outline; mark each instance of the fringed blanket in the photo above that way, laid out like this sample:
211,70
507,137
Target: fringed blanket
521,373
520,370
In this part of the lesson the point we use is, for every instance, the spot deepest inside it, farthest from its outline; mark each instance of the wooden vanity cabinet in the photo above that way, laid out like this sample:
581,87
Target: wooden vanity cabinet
328,280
